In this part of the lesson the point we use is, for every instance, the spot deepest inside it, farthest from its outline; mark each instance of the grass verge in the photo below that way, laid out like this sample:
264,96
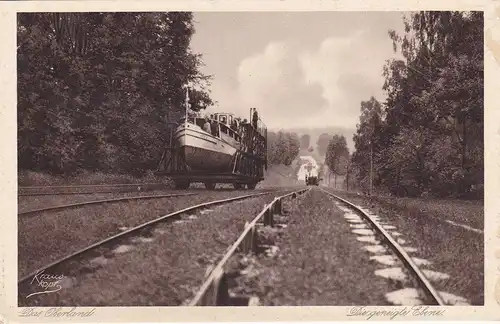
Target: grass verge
31,178
468,212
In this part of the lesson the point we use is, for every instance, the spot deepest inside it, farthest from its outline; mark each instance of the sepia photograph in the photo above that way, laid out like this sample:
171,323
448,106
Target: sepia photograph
223,158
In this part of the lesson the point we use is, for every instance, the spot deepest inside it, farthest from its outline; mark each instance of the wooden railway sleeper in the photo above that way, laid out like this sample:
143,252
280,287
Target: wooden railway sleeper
277,207
249,243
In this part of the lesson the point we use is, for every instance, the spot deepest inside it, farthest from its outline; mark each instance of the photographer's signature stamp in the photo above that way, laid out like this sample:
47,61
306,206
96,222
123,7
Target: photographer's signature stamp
46,283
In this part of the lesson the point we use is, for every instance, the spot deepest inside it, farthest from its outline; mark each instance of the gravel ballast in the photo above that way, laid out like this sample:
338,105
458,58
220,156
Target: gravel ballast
46,237
166,269
453,250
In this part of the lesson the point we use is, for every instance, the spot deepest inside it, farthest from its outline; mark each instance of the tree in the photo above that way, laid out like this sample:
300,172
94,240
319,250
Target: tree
368,140
283,147
443,89
337,155
96,89
305,141
322,143
428,136
293,147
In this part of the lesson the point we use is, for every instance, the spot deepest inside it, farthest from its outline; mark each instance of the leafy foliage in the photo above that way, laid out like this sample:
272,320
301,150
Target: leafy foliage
305,141
337,155
322,143
96,90
427,138
282,147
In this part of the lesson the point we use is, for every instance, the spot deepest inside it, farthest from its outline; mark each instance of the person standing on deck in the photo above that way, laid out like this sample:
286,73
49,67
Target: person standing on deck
255,119
206,126
214,128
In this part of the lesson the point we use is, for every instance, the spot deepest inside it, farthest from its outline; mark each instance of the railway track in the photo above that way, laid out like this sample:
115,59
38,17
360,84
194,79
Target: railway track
87,189
434,297
101,201
214,290
219,287
62,264
123,188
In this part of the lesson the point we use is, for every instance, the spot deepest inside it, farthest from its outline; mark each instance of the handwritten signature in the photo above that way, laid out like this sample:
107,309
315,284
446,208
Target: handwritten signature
48,282
368,313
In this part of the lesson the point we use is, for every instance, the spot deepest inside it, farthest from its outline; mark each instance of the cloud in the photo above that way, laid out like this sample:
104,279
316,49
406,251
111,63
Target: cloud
274,82
319,86
349,69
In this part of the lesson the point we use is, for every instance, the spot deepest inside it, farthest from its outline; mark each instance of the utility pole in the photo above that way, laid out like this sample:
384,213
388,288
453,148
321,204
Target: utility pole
372,125
347,174
371,167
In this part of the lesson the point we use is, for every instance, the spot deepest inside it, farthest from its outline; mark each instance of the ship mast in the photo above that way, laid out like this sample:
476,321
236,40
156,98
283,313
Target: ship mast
187,104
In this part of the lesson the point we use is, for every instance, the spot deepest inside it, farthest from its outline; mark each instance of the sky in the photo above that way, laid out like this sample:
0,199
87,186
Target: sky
299,69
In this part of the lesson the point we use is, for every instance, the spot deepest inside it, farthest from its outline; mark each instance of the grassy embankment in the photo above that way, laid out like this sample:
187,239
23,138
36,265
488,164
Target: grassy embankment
468,212
276,175
30,178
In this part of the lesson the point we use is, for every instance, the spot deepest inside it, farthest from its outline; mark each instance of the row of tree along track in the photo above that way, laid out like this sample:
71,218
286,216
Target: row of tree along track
323,251
217,222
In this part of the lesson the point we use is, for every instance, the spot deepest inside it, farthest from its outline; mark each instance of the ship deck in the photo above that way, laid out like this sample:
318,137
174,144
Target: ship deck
201,176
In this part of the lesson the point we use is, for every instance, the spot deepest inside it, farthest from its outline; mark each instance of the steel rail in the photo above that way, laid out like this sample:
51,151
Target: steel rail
403,256
86,189
133,190
102,201
90,185
218,270
136,228
75,193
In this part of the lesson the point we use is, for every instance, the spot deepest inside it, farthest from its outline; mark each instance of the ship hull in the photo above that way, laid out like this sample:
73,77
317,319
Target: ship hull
203,152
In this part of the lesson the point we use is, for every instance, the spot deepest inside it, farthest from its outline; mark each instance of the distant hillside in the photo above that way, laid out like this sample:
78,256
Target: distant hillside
319,159
316,132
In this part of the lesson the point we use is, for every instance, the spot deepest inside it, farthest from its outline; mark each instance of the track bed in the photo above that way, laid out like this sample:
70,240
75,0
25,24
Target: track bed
319,261
454,250
162,269
46,237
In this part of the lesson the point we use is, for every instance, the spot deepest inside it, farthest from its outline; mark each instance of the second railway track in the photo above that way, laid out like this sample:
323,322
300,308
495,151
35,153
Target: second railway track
61,265
88,189
100,201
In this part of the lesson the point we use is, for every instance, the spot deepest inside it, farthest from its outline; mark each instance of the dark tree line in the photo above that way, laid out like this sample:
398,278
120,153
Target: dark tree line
427,138
305,141
96,90
282,147
322,143
337,156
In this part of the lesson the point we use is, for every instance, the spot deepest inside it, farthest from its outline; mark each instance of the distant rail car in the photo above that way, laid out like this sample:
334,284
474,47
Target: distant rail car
312,181
218,149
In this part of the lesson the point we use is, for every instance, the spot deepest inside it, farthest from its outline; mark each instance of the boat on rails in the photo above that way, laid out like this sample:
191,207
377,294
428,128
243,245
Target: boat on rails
220,148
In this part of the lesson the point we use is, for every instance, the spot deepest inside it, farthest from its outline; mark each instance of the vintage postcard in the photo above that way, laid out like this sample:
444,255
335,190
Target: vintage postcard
271,161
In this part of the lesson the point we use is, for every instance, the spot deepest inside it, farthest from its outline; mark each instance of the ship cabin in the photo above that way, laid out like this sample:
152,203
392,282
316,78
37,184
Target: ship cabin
222,125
